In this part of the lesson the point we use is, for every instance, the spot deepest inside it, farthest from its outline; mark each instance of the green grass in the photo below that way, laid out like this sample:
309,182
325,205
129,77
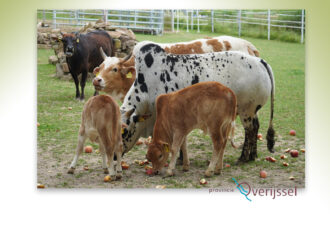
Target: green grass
57,133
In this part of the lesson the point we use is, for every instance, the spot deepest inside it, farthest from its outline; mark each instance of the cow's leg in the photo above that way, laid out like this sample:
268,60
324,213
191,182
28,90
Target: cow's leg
104,159
180,158
82,84
253,138
79,149
217,143
246,120
177,142
76,82
224,138
119,172
186,161
109,148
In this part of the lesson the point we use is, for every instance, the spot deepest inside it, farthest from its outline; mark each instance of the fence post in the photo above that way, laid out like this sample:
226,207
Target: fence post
197,14
43,15
239,22
105,16
187,12
177,20
54,19
302,26
192,19
212,20
172,19
268,19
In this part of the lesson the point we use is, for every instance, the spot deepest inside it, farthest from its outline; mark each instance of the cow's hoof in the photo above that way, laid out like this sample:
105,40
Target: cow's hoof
185,168
71,171
119,176
106,171
208,173
169,173
218,172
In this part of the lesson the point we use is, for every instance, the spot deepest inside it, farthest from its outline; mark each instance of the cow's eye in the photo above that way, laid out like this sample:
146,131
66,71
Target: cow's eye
160,156
114,69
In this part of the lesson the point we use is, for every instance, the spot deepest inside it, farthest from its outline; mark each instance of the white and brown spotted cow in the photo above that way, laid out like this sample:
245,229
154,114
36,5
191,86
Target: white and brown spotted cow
116,75
100,123
158,72
209,106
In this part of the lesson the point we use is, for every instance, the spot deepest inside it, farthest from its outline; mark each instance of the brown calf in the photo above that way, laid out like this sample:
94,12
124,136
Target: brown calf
101,124
209,106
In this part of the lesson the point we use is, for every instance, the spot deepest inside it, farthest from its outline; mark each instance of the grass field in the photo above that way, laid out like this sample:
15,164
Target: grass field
57,133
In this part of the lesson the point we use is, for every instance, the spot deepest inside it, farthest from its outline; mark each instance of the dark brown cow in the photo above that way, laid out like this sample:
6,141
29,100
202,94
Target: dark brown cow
83,55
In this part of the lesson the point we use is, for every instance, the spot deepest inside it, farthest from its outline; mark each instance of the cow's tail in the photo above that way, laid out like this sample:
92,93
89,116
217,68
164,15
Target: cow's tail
271,131
231,135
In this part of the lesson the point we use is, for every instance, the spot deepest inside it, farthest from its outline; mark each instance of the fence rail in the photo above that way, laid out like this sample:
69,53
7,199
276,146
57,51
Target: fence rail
154,21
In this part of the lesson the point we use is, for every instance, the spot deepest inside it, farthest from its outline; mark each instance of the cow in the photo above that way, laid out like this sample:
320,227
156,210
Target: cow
209,106
82,54
101,123
117,83
251,79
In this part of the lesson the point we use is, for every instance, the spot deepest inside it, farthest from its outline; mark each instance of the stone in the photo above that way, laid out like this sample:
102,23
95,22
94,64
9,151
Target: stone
65,67
117,43
52,59
114,34
59,71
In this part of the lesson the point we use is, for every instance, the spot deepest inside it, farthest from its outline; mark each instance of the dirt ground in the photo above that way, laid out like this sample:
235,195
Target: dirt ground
52,168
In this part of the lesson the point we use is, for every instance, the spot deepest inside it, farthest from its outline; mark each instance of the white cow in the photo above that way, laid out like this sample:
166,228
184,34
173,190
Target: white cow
158,72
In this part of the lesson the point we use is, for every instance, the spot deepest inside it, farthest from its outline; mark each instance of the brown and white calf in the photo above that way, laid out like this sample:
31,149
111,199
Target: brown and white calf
209,106
101,124
116,75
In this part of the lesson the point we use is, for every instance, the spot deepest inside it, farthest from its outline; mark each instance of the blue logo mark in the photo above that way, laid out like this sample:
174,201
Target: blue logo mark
242,190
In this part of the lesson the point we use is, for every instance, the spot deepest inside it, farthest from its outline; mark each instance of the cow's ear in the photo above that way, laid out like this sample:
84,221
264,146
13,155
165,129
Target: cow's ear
141,118
127,72
96,70
129,112
166,146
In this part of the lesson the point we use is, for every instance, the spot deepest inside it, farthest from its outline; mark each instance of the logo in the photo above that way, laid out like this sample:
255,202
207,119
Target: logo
242,190
245,189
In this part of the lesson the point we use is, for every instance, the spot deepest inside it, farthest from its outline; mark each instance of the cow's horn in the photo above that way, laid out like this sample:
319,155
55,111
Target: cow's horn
127,57
104,56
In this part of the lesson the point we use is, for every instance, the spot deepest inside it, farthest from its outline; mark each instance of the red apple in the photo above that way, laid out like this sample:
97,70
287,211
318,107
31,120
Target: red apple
294,153
124,165
86,168
203,181
107,178
147,167
139,142
263,174
292,132
272,159
166,165
259,136
302,150
88,149
267,158
227,165
287,150
149,172
283,157
160,186
40,186
285,164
